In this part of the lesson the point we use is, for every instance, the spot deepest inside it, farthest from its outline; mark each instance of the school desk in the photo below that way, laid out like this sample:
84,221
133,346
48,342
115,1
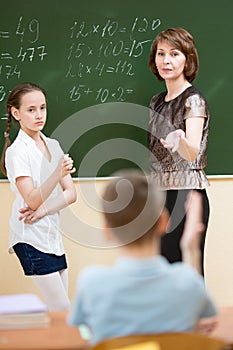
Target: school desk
60,336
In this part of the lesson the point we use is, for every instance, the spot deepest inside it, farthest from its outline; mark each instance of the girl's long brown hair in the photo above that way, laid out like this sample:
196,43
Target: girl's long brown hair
14,100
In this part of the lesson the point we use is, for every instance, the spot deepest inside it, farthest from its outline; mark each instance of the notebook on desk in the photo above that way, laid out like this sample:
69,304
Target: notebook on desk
22,311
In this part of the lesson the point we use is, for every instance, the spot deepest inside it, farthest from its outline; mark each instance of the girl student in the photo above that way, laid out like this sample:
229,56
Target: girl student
178,132
40,177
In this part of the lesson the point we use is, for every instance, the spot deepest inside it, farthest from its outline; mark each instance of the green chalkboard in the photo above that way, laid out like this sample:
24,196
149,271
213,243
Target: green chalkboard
92,59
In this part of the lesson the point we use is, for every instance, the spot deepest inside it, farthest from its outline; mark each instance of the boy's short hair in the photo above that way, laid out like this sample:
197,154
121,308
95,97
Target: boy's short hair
132,205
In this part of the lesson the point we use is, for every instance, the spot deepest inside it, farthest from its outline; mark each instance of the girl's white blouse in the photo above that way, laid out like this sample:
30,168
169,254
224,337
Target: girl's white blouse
23,158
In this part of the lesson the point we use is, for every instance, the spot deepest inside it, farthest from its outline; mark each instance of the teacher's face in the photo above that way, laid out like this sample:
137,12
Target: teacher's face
169,61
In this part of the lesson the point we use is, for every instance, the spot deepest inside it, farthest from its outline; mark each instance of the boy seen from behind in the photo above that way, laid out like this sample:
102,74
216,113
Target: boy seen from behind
142,293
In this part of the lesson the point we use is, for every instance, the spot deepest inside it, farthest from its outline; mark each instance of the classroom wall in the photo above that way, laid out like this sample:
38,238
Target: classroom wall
81,225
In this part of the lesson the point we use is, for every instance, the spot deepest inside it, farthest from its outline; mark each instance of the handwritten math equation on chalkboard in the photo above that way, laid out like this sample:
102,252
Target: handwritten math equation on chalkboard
100,64
106,52
29,49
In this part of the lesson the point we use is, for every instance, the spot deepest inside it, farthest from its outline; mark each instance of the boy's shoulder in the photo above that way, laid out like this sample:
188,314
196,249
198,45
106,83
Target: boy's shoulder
178,271
95,274
188,274
96,269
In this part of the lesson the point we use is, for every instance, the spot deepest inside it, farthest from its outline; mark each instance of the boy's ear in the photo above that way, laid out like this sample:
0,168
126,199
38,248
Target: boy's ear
162,223
15,113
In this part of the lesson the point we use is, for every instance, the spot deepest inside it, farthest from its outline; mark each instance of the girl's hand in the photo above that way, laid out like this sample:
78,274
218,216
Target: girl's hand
65,165
25,213
173,139
30,216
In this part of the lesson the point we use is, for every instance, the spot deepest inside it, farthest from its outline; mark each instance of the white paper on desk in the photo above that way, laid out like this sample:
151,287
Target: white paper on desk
21,303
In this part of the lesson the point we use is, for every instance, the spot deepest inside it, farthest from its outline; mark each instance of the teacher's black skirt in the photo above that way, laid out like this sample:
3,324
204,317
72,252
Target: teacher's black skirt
175,203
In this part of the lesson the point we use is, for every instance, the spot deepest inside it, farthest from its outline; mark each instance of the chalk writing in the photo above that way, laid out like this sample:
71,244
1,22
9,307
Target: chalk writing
4,35
80,69
33,29
106,49
26,49
2,93
101,95
8,71
105,53
31,52
83,29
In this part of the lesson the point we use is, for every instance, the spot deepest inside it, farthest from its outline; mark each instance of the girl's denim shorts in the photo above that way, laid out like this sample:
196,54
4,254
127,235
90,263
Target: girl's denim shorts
35,262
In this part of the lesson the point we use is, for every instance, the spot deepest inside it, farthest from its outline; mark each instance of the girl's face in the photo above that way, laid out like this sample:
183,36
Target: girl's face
169,61
32,112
